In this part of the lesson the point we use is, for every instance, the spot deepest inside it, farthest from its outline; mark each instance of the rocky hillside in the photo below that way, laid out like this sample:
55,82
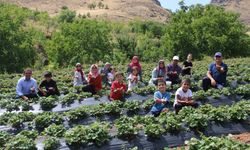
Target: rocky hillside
118,10
239,6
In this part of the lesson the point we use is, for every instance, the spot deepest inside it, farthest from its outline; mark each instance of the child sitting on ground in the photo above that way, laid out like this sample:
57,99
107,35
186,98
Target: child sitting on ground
111,75
49,84
161,97
133,78
118,88
183,96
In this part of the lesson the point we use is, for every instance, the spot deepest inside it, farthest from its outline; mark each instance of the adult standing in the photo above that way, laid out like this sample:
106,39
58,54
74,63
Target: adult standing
216,74
26,86
159,73
187,66
135,62
174,70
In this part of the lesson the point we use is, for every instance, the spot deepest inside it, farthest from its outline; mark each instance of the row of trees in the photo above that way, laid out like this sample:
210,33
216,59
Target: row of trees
201,30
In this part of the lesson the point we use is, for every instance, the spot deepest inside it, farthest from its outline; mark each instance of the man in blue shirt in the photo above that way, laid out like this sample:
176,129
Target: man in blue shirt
26,86
216,75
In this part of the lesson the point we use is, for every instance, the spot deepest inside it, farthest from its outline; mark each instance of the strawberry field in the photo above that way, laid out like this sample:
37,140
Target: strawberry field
77,120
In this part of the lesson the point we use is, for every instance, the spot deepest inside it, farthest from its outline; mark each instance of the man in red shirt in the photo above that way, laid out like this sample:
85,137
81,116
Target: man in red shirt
118,88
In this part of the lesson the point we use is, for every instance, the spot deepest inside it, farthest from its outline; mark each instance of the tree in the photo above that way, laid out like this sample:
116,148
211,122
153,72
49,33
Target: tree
84,41
16,49
203,30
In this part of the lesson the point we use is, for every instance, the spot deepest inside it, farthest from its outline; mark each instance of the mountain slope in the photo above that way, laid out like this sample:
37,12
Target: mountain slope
118,10
239,6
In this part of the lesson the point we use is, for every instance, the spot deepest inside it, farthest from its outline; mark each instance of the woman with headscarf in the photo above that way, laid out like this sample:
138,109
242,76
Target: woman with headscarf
159,73
94,78
135,63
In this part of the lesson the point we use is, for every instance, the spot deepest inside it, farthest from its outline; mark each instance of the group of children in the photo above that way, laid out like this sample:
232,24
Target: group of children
92,82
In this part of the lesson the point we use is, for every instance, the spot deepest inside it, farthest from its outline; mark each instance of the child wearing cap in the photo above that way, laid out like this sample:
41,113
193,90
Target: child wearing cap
161,98
183,96
118,87
49,84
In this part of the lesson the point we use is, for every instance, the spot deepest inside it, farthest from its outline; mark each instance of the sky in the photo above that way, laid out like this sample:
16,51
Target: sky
173,4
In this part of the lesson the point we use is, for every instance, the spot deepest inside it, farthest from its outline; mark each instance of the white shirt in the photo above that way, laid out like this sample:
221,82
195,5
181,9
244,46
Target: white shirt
182,94
78,79
131,84
111,77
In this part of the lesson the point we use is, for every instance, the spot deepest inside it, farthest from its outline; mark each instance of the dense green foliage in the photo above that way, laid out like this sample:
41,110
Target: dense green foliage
68,38
203,30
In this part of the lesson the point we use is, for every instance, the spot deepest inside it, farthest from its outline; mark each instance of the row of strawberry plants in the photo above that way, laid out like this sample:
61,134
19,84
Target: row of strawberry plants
127,127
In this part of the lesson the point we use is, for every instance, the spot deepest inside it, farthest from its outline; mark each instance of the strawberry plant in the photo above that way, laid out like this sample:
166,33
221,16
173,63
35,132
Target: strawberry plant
147,105
98,133
132,106
144,90
69,98
77,136
170,121
126,128
25,106
45,119
219,114
154,130
47,103
4,138
97,110
15,121
11,106
216,143
55,130
113,107
83,95
29,134
20,143
51,143
76,114
238,113
243,90
197,121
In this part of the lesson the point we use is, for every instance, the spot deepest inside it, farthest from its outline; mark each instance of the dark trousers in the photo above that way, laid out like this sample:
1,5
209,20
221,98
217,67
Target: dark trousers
90,89
49,93
178,107
206,84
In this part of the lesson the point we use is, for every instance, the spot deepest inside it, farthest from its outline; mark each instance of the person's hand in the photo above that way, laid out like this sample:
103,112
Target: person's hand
165,110
51,89
44,93
160,78
25,98
174,72
163,101
190,67
218,67
32,89
213,82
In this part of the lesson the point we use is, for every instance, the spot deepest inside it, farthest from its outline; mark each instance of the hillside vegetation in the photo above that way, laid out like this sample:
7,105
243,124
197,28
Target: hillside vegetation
34,39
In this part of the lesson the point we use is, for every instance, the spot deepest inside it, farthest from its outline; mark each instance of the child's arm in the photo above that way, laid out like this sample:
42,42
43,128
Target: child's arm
158,99
181,100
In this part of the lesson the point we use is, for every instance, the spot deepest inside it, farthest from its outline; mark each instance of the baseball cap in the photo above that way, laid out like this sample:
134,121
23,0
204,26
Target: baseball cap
176,58
218,54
